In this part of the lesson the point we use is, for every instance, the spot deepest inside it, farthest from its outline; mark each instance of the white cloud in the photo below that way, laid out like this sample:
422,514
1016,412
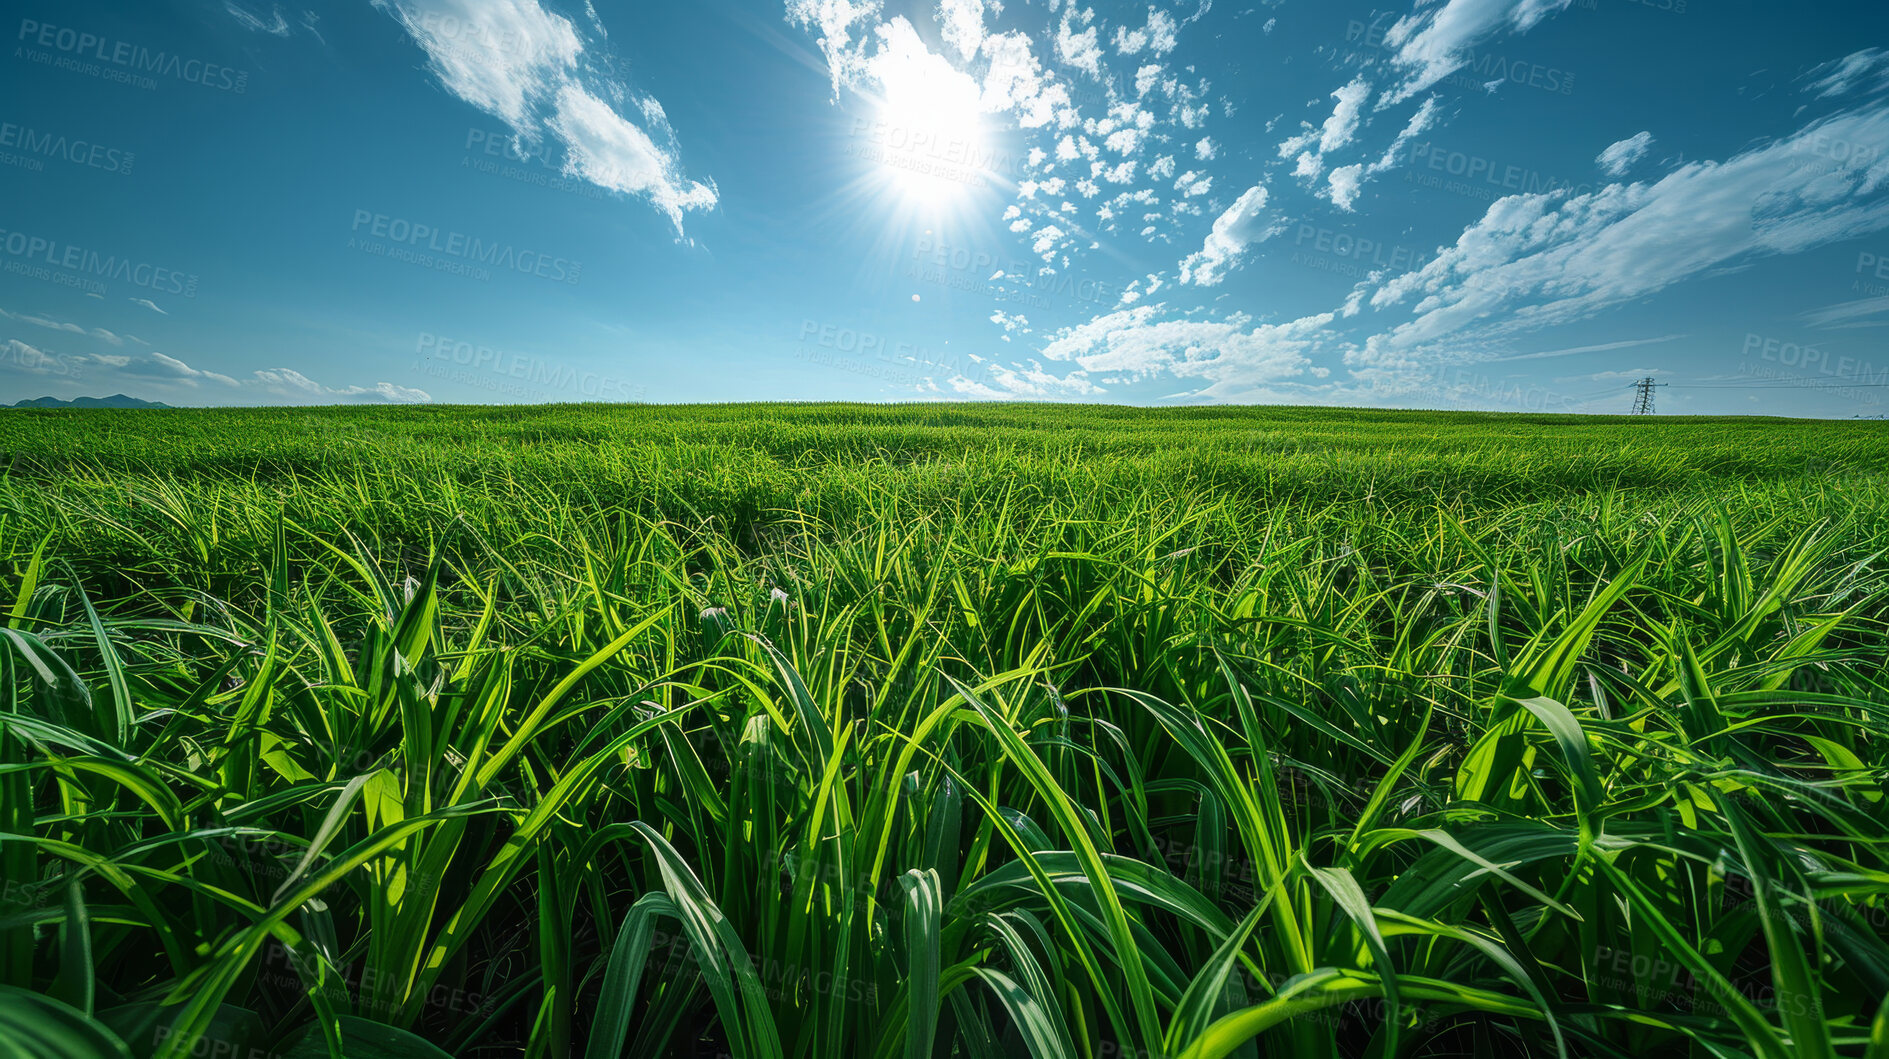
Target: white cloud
613,153
61,325
891,59
1206,150
1622,156
1027,382
1046,241
1345,183
1343,123
1851,314
388,392
1079,49
1158,36
1125,141
837,22
1544,259
1232,232
287,382
1602,347
149,304
914,79
275,25
271,386
15,353
1016,82
962,24
1430,43
1235,357
1339,129
1419,122
973,389
165,377
502,56
164,368
528,67
1163,34
1867,69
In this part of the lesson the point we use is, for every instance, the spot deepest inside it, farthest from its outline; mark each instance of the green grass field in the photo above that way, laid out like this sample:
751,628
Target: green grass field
902,731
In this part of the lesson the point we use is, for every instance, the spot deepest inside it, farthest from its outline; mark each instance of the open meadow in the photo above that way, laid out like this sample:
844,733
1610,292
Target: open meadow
823,731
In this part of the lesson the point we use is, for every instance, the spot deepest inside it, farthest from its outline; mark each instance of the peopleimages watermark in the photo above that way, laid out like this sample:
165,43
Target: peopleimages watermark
1834,154
37,257
502,154
28,148
1349,254
1871,266
15,352
517,374
929,152
1654,979
22,893
1478,176
399,239
1833,374
66,48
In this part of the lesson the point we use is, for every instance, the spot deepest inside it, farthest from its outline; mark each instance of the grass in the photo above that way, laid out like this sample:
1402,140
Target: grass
836,730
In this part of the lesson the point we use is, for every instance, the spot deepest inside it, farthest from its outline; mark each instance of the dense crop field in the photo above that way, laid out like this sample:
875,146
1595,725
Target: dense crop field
825,731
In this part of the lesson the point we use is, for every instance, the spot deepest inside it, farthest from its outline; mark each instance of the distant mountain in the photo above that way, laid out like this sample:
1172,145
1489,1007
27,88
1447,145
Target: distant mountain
117,400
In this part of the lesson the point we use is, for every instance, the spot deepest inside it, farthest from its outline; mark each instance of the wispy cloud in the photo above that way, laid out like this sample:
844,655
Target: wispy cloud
844,29
1025,382
1432,42
149,304
1571,351
1538,260
1236,358
1347,182
287,382
1857,313
1865,71
99,333
533,70
164,377
1620,157
1312,145
1242,224
273,24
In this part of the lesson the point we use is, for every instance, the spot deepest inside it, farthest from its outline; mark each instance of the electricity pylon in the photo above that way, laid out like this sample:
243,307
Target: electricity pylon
1643,396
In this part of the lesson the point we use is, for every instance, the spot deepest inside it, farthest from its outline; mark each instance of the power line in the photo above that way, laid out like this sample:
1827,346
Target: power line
1812,384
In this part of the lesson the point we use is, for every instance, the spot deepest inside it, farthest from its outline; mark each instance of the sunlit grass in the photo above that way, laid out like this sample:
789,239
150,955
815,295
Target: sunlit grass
836,731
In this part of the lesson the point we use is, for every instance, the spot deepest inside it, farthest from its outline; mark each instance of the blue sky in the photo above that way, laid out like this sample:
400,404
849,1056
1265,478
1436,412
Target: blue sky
1495,204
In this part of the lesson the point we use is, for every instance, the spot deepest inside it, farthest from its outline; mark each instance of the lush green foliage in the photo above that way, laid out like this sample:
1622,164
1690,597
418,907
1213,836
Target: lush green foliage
929,731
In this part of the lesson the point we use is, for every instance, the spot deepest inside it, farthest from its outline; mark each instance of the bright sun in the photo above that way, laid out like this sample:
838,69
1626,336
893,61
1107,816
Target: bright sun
928,140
